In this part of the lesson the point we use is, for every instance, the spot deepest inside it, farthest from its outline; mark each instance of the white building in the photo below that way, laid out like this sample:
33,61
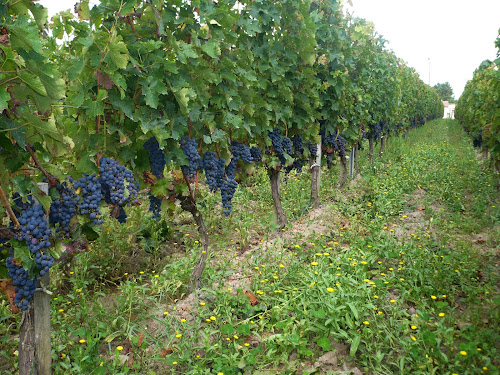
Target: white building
449,110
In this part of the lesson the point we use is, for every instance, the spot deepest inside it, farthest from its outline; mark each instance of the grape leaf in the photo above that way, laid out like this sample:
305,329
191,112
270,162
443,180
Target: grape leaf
118,53
152,88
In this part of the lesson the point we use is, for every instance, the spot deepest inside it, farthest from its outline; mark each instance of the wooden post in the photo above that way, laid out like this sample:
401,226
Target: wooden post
352,157
343,172
316,177
41,304
356,168
34,343
27,342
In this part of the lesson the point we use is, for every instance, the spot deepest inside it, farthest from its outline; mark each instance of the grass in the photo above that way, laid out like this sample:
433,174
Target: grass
394,275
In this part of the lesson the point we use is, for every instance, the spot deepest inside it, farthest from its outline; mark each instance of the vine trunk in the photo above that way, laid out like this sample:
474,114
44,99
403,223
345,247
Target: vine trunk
188,204
279,213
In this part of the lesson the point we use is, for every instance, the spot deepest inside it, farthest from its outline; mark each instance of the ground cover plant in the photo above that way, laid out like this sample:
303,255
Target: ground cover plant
396,273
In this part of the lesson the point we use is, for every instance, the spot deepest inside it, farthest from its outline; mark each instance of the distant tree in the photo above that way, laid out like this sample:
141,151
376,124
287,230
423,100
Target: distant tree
445,91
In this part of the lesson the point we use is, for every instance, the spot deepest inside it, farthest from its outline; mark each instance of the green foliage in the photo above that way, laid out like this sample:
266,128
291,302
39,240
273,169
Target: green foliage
478,108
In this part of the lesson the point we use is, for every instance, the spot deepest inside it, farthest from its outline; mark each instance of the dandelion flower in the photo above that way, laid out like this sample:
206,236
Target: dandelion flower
463,352
119,348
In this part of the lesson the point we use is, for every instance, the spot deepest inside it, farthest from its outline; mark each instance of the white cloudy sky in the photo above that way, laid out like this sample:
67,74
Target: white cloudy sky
456,35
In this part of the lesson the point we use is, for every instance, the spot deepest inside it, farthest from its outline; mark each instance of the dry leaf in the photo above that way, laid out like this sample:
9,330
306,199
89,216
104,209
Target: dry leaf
164,352
253,299
130,360
10,292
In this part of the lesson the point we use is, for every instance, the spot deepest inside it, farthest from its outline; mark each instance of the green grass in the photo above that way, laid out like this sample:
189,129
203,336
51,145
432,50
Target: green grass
397,277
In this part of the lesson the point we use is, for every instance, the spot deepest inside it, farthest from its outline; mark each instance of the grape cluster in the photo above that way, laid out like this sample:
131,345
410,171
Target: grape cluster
477,140
375,130
25,287
34,231
333,143
155,206
231,168
298,153
256,154
214,170
277,144
189,146
64,208
313,149
337,142
88,188
122,215
156,157
241,151
340,146
118,183
227,191
287,145
298,146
